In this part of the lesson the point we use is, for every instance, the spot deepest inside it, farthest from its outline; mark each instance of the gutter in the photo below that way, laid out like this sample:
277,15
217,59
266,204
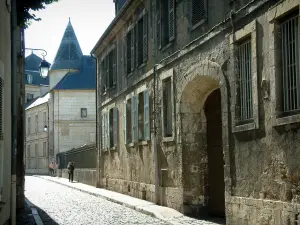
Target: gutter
96,106
112,24
13,110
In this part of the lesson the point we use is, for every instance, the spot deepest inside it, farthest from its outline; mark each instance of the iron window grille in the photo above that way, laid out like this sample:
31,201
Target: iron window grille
244,82
290,75
198,12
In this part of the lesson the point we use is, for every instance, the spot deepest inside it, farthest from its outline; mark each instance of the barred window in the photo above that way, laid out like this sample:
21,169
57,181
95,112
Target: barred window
244,81
167,107
129,51
141,40
290,79
165,17
198,11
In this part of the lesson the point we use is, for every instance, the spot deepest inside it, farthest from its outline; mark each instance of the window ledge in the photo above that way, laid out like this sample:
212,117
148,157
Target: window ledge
131,144
167,46
113,148
193,27
168,139
104,93
142,65
144,143
287,120
244,127
129,74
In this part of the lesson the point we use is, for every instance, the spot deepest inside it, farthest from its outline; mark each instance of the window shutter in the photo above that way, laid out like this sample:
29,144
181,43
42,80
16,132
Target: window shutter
133,48
125,54
198,11
171,20
107,70
1,111
103,76
146,115
145,37
134,119
104,130
115,128
115,66
108,129
158,25
137,45
125,123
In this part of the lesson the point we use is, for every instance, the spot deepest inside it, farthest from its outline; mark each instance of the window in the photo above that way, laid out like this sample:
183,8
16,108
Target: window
129,51
142,39
45,119
167,107
36,123
165,17
109,69
198,12
29,96
83,112
244,81
127,122
28,151
110,128
29,78
29,125
44,148
143,115
290,75
36,154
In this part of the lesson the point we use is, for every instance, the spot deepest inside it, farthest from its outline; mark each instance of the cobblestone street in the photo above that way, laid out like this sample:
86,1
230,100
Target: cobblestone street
62,205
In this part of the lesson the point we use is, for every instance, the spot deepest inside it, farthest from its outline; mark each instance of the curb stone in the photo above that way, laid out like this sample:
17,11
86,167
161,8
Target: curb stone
35,214
141,210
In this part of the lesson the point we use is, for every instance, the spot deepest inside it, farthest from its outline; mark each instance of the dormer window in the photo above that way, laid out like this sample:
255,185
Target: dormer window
29,78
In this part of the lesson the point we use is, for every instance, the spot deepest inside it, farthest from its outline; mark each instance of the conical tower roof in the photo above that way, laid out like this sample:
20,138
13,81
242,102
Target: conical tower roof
69,52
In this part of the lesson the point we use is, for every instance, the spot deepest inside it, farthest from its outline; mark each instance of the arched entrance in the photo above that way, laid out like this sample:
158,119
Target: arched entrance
202,147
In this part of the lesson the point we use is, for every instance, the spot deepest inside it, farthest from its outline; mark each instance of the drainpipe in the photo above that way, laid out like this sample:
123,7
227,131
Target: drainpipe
154,138
48,131
13,109
96,92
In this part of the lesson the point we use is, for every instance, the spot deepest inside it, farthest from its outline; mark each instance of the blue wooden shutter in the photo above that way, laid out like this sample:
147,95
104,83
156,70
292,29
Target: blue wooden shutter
134,119
108,128
115,128
171,20
146,115
158,23
124,123
145,37
103,131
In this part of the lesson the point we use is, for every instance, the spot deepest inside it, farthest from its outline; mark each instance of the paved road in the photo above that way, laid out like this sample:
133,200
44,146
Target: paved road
60,205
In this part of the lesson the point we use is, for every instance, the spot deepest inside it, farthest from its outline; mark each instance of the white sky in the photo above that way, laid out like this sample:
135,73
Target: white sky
89,18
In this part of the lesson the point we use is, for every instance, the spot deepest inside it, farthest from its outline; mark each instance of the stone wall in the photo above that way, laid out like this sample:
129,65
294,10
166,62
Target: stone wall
85,176
260,158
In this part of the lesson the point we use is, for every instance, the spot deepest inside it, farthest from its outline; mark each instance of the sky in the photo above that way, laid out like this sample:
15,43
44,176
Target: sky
89,18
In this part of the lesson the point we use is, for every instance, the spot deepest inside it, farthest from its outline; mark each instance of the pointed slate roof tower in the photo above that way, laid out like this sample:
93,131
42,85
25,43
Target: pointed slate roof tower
69,52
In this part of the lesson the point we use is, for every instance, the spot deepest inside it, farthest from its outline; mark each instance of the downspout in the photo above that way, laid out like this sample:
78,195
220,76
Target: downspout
48,124
13,109
96,93
154,138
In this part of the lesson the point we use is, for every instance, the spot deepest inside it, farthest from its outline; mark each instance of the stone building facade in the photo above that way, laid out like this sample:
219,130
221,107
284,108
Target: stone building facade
198,107
36,155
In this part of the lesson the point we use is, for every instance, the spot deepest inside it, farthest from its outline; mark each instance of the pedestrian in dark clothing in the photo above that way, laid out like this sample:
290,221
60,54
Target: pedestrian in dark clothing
71,168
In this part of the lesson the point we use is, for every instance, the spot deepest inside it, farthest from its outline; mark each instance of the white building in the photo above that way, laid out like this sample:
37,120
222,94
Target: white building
72,106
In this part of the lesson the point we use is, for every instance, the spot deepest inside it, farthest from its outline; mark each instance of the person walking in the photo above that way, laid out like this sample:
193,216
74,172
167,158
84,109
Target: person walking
71,168
51,168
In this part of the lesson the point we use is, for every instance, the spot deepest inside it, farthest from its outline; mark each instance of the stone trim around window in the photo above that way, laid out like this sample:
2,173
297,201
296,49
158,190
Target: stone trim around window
247,31
164,76
281,10
103,112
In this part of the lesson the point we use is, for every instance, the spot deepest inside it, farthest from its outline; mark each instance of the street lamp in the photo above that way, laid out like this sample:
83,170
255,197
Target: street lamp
44,66
45,128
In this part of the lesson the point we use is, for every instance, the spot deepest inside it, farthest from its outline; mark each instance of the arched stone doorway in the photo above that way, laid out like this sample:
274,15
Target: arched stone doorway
202,145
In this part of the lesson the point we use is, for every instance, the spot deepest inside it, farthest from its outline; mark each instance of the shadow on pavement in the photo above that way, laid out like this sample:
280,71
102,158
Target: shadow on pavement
47,220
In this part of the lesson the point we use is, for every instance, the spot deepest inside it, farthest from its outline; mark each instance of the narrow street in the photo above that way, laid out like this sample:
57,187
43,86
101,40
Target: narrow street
65,206
61,205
